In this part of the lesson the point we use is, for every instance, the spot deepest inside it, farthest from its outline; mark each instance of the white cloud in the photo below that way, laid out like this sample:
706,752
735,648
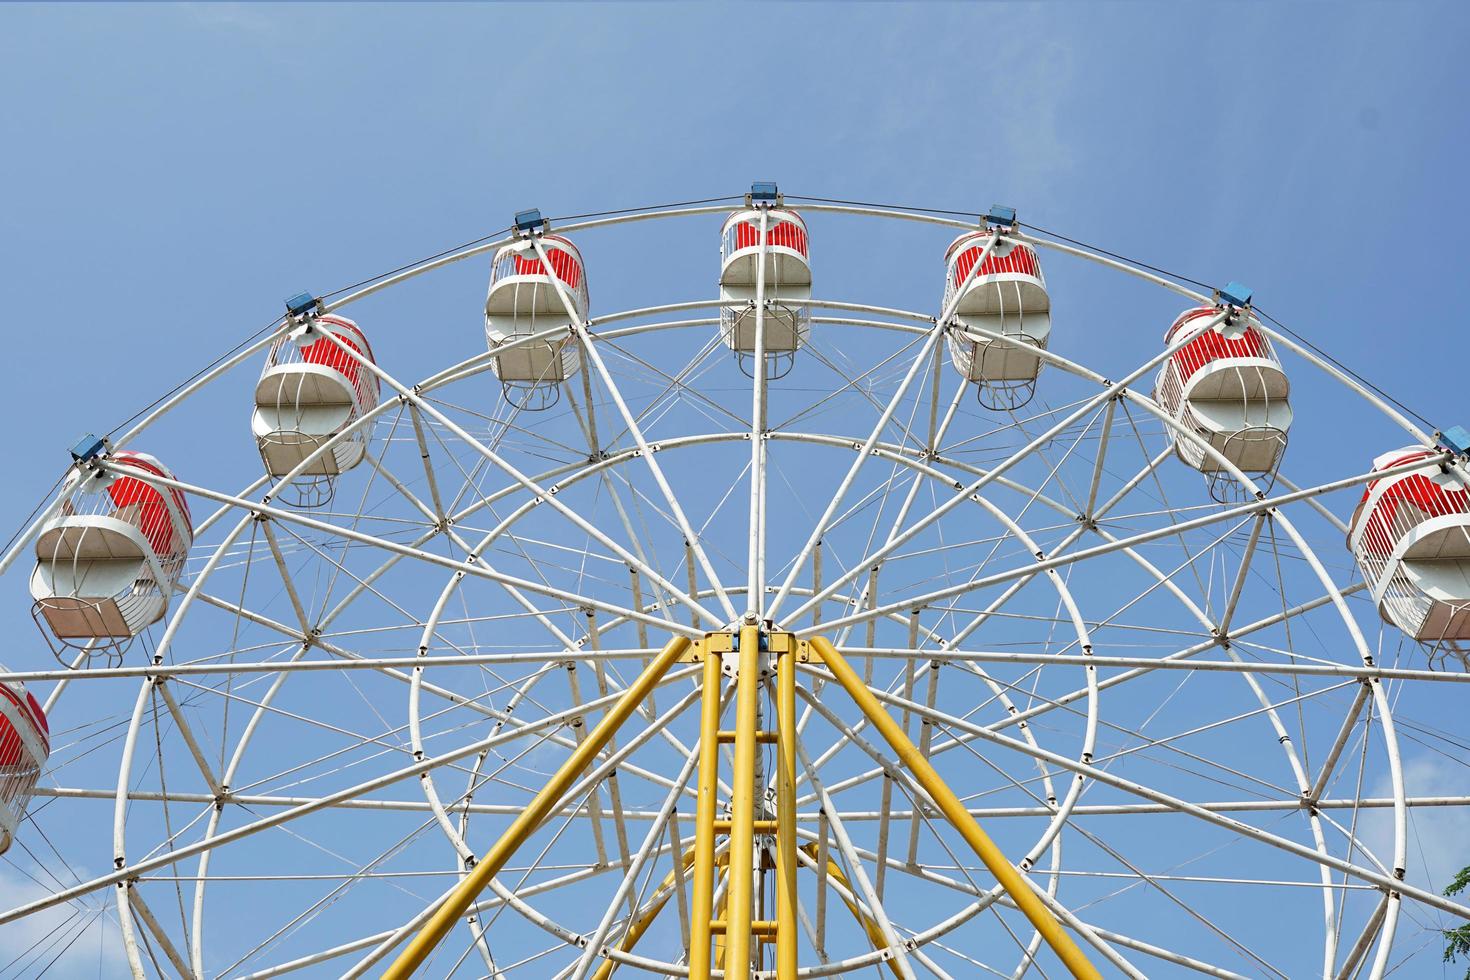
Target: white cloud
998,122
234,18
1439,837
29,944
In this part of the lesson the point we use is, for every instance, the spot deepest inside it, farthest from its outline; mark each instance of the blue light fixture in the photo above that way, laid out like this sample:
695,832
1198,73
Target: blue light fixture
1236,294
528,221
88,447
301,304
764,191
1000,216
1456,439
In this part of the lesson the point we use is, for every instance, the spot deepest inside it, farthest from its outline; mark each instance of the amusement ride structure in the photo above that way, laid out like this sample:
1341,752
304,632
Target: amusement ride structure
750,635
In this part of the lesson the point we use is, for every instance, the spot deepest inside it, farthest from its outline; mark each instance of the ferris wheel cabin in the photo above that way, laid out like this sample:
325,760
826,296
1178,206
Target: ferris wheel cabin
24,747
787,279
1001,311
310,389
1228,387
1410,535
526,298
106,563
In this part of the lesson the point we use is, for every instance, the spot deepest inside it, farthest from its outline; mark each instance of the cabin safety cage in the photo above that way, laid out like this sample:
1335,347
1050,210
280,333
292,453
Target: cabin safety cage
25,743
1411,537
1227,387
108,560
310,390
765,284
759,628
1001,310
537,285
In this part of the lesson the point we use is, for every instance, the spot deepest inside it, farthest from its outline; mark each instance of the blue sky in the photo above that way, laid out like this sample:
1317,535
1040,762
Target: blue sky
172,172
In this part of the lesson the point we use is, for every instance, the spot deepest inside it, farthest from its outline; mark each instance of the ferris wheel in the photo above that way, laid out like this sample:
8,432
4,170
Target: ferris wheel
760,634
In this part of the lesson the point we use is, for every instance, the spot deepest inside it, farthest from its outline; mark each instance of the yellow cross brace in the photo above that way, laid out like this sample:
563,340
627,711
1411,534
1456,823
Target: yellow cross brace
640,925
874,931
954,811
453,907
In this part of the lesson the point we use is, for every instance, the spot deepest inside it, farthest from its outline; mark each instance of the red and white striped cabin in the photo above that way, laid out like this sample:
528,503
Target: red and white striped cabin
343,377
1227,386
25,744
786,320
525,298
1008,281
107,562
788,249
311,389
1410,535
1230,360
999,320
521,285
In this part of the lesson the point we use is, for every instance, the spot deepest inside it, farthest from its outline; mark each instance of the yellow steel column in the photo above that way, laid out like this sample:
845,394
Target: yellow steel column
742,814
786,925
701,908
547,800
640,925
954,811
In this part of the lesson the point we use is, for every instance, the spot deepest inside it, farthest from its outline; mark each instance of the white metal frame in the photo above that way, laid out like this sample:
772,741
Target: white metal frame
932,466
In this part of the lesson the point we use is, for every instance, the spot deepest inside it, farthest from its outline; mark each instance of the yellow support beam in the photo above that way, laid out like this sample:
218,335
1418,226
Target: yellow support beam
701,908
756,826
742,805
720,910
763,737
786,934
733,925
874,931
639,926
761,928
954,811
453,908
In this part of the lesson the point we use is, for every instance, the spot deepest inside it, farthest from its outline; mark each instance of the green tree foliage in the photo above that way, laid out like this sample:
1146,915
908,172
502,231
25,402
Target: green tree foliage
1457,940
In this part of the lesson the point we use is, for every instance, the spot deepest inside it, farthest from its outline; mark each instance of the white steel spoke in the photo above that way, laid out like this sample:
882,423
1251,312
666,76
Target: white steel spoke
1183,806
585,336
1132,541
540,493
319,803
973,489
755,561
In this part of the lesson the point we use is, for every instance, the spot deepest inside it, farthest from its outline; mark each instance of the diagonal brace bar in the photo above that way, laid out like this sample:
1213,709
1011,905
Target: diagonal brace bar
849,897
640,924
954,811
550,797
